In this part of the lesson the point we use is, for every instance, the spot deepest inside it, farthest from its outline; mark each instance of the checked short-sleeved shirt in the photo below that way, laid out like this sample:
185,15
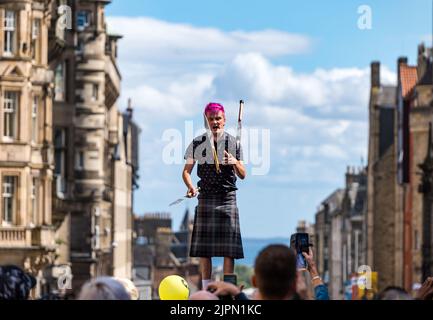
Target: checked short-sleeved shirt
210,181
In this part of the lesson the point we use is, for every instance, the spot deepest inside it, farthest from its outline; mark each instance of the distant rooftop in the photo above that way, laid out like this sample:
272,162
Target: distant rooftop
409,79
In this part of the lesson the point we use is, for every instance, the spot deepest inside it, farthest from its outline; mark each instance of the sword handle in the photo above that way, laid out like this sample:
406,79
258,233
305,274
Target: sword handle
241,109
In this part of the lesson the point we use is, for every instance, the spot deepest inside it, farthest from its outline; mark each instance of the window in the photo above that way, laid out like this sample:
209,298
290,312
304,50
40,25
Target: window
59,82
80,160
82,20
95,90
35,128
60,153
34,198
80,47
36,42
142,273
97,239
9,200
9,33
10,114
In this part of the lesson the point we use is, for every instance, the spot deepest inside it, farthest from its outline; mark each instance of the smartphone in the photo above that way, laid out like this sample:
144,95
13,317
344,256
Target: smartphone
301,263
300,242
231,278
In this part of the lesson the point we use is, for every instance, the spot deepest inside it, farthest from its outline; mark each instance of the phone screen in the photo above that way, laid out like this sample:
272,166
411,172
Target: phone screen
304,243
230,278
301,263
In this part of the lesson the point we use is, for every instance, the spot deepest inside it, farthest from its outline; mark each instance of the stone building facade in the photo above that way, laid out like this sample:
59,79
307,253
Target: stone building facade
385,216
354,235
26,150
328,239
399,240
68,156
384,209
340,234
96,150
415,107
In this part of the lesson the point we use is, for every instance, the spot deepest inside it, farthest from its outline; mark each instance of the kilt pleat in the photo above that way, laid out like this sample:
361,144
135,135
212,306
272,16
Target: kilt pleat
216,231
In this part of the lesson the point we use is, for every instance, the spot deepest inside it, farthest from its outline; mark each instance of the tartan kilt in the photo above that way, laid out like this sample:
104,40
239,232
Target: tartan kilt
216,231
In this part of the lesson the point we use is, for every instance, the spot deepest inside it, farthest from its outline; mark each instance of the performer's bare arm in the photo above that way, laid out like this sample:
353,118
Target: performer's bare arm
186,175
237,164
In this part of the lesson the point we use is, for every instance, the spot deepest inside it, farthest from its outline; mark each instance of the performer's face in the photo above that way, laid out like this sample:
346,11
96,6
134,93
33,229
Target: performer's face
217,121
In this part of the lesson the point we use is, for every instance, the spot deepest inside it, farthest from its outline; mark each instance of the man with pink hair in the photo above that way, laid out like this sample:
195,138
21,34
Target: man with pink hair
216,231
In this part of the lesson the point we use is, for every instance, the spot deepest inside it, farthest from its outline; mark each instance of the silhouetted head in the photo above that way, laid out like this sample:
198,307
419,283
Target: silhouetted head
394,293
129,287
275,272
15,284
103,288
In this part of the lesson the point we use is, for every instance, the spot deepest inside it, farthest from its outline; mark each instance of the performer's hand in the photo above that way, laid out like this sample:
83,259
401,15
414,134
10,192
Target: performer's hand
192,192
229,159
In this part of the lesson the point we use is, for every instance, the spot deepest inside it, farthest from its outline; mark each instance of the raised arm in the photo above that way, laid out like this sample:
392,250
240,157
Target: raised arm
320,290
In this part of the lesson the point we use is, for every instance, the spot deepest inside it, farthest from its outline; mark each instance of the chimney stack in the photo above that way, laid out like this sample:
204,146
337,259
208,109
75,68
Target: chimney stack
375,74
401,61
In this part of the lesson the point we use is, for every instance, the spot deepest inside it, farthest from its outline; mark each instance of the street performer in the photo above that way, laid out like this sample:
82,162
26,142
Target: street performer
216,231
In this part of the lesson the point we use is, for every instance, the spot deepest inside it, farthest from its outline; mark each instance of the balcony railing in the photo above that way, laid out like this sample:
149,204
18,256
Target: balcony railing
15,237
22,237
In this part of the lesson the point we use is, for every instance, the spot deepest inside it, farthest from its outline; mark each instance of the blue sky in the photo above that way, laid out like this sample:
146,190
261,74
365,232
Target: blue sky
302,69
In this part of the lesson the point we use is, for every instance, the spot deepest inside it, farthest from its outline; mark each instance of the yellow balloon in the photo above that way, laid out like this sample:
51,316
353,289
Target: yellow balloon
173,288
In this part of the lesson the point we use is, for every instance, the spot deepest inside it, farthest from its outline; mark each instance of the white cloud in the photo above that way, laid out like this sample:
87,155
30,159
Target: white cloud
154,40
335,92
175,98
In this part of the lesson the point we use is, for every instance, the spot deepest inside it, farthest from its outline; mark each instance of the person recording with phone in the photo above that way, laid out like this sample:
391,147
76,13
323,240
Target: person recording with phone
300,242
320,290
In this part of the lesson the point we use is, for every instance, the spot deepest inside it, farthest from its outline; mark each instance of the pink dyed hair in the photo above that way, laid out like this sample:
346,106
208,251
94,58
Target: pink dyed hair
213,107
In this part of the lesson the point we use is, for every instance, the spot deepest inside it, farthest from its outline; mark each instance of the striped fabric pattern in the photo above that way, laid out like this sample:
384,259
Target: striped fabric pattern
216,230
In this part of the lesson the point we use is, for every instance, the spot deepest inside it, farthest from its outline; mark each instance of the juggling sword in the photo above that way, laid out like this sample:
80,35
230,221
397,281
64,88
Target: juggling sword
239,132
181,199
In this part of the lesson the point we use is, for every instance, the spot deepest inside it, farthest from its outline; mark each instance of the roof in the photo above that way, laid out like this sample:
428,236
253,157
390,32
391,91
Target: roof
408,79
334,200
